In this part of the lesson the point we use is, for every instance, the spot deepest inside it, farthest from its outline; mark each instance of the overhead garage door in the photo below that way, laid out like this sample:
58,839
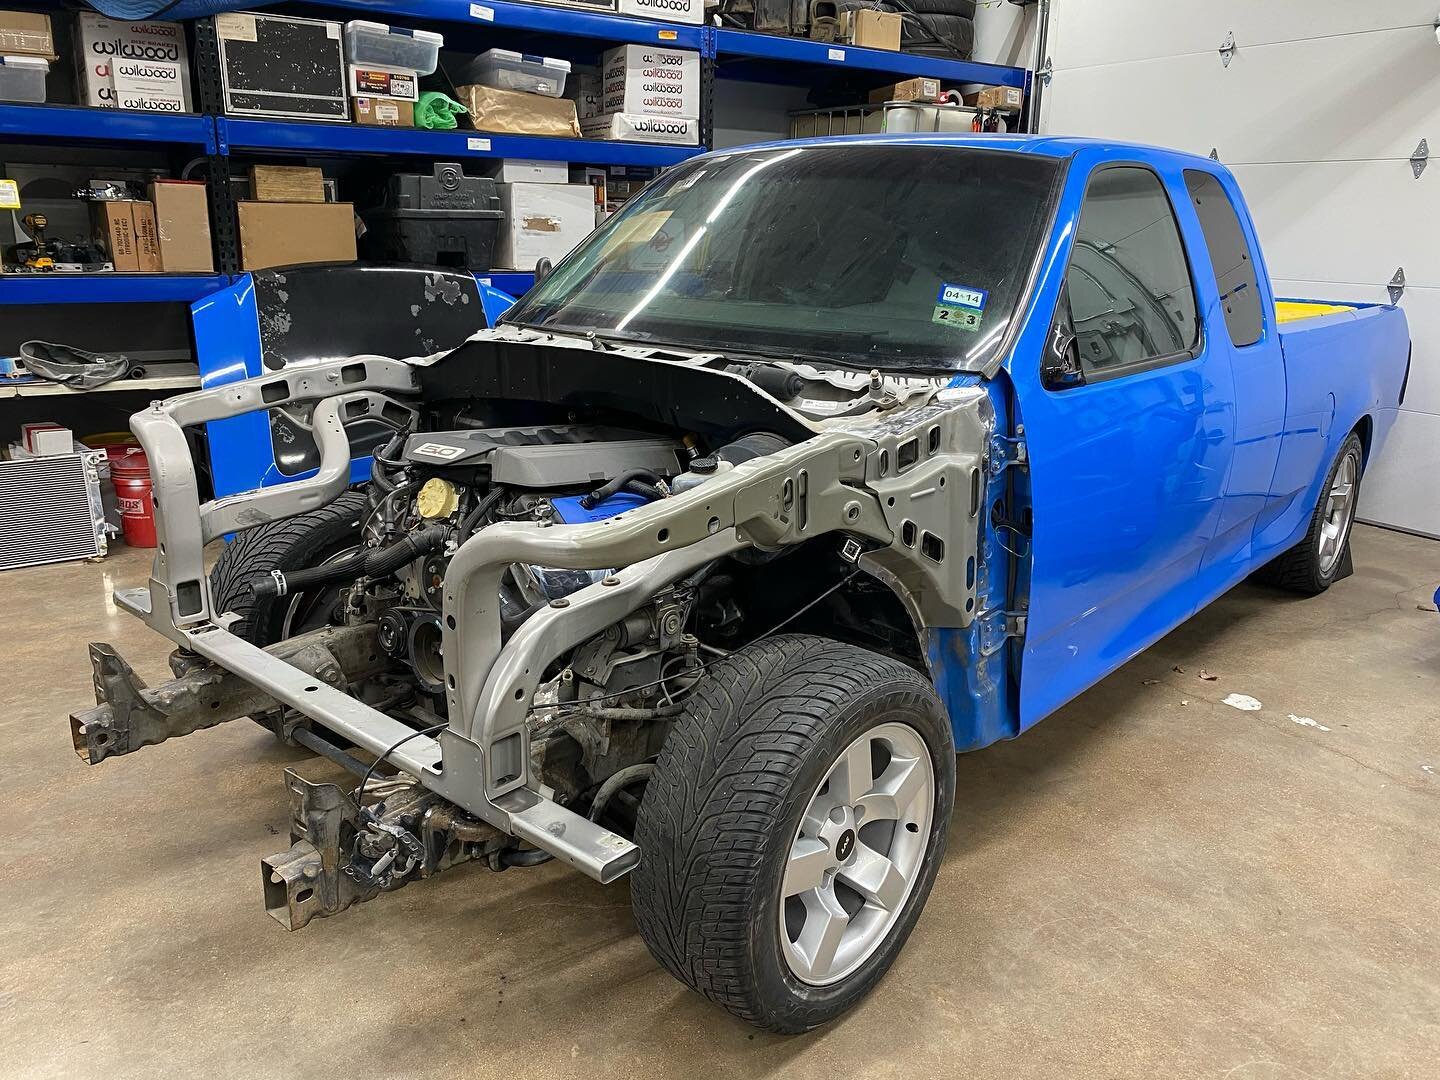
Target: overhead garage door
1318,112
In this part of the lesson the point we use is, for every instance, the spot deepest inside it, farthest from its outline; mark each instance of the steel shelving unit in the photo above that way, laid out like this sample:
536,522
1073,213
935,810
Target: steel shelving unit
533,27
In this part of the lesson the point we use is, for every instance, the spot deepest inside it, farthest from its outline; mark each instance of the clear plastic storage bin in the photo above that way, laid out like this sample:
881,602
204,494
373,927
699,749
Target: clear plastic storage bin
22,78
506,70
392,46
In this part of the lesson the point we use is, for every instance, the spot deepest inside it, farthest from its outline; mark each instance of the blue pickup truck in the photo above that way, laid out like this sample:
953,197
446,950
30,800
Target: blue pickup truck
819,462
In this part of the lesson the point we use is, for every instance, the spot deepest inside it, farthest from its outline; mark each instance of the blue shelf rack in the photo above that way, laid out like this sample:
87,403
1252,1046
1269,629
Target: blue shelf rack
108,288
301,136
78,123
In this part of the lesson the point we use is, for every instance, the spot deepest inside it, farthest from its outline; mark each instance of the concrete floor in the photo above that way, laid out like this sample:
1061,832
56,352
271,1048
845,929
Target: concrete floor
1150,884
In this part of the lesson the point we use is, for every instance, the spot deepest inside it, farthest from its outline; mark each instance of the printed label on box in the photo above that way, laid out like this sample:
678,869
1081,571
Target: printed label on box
365,82
237,26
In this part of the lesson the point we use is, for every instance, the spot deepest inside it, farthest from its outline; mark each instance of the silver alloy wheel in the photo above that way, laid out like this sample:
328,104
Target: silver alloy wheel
1339,512
857,854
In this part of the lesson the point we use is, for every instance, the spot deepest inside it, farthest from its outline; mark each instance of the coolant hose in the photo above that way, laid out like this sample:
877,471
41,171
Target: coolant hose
610,487
376,564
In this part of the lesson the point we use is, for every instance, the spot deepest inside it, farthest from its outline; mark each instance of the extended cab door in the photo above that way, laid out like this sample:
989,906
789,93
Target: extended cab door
1128,428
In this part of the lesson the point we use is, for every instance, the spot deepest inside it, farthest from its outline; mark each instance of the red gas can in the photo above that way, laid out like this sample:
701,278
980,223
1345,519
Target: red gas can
130,473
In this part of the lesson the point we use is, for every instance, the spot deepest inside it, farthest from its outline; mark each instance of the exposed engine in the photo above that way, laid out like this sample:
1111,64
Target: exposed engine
431,491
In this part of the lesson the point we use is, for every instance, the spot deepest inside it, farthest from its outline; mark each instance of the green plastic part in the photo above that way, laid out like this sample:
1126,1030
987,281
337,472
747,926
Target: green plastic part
438,112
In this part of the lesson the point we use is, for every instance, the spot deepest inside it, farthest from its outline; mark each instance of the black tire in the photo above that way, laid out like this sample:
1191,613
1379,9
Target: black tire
1302,569
293,543
964,9
758,736
941,35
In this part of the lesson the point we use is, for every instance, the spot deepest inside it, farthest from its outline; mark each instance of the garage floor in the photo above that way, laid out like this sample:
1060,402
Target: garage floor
1150,884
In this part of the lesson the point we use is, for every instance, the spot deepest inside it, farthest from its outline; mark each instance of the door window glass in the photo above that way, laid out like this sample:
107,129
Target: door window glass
1230,257
1131,294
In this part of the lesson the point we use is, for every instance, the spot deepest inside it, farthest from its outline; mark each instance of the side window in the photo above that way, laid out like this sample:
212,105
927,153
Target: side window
1131,294
1229,255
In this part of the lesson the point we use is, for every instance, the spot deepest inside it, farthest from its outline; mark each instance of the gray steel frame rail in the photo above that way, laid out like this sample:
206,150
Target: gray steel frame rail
481,762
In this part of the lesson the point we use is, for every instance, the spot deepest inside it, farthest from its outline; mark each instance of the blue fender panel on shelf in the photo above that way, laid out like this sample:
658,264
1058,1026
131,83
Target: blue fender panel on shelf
228,346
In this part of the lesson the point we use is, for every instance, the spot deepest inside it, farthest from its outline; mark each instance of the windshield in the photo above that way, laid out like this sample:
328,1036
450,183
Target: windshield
896,257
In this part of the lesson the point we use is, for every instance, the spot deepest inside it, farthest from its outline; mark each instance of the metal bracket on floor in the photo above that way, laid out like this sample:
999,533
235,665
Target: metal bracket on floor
1397,285
999,626
1420,158
1227,48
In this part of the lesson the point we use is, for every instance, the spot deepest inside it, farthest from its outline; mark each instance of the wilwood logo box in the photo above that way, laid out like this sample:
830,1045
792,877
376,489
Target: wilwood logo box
149,58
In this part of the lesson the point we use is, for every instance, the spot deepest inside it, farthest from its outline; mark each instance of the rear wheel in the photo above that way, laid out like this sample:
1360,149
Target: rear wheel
1321,559
793,828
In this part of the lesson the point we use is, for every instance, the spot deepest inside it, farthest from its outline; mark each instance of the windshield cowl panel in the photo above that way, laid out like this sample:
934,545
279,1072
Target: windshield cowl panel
902,257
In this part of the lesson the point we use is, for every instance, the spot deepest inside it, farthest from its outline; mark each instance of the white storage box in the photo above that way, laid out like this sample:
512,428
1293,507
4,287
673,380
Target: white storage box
506,70
22,78
542,221
627,127
675,11
392,46
526,171
644,80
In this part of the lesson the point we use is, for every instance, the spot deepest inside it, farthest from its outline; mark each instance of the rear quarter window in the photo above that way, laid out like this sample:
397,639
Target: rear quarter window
1230,257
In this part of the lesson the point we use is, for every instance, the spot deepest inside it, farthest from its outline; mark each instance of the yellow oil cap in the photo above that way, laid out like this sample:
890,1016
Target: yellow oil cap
437,499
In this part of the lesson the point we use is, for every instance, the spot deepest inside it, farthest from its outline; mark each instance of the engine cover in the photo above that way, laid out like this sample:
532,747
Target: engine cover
559,455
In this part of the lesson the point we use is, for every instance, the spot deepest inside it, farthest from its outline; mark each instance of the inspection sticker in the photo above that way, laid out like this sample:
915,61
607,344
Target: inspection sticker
960,306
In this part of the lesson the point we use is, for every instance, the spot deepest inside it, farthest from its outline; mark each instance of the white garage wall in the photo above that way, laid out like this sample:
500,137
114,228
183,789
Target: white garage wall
1317,114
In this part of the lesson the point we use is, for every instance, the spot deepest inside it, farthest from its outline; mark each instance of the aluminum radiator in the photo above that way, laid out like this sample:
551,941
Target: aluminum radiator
50,509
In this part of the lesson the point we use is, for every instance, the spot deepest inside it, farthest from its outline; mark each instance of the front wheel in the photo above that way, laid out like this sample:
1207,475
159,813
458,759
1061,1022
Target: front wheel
793,828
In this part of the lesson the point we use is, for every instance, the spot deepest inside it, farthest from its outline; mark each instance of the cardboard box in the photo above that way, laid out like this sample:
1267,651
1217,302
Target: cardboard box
996,97
587,89
526,171
182,218
910,90
372,80
295,233
383,112
147,238
690,12
626,127
145,63
114,224
542,221
647,81
871,29
287,183
518,113
26,33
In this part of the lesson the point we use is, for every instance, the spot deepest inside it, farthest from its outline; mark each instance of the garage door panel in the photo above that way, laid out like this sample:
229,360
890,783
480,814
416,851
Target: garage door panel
1114,31
1277,103
1402,487
1345,221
